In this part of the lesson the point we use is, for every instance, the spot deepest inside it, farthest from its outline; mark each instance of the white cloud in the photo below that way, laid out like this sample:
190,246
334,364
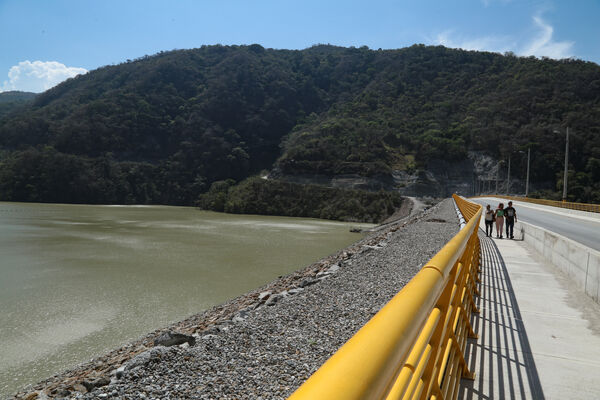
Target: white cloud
543,45
540,45
487,43
38,76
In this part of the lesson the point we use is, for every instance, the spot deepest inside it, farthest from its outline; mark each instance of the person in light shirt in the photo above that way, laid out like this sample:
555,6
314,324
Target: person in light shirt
499,214
489,221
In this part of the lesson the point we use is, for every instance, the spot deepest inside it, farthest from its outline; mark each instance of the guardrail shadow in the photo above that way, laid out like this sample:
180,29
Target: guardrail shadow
501,357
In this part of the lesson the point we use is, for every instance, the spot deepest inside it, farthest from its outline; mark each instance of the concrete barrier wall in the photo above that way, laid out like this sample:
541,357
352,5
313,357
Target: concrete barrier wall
566,211
579,262
586,214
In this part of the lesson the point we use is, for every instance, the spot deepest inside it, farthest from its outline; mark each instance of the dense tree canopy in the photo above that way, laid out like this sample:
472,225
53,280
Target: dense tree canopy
12,100
259,196
163,128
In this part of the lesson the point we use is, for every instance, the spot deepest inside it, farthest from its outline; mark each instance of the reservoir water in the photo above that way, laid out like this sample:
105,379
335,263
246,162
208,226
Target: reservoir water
79,280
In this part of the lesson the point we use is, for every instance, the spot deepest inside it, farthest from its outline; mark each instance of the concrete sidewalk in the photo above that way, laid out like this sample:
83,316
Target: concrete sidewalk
539,336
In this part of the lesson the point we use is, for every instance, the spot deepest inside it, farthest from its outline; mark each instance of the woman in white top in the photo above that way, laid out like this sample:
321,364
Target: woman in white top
499,214
489,221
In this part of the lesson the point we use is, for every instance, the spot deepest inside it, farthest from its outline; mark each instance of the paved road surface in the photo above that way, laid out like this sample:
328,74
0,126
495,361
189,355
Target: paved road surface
584,230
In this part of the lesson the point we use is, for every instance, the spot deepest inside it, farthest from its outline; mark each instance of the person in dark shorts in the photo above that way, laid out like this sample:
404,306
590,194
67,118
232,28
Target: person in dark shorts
489,221
511,217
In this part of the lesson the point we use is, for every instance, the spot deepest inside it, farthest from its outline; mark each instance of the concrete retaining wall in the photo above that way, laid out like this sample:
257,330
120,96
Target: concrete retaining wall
585,214
564,211
579,262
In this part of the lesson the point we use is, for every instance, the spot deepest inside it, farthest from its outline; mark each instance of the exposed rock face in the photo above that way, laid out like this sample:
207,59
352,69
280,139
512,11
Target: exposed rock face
348,181
442,178
475,174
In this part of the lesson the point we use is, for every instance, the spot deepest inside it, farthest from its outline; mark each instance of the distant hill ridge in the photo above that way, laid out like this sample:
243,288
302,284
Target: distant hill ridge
15,95
163,128
10,100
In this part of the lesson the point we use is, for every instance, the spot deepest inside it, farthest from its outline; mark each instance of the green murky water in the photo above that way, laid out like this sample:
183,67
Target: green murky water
78,280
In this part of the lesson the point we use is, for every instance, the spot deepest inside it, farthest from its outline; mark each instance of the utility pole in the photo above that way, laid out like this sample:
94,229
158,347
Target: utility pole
564,196
527,181
508,178
497,175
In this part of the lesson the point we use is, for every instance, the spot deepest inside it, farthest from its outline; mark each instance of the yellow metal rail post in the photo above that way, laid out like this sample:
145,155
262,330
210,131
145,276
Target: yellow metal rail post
414,347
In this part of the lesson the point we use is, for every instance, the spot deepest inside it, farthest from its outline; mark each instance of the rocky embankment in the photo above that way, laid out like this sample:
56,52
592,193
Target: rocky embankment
264,344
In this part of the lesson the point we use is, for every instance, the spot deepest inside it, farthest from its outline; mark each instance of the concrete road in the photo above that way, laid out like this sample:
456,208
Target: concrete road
580,228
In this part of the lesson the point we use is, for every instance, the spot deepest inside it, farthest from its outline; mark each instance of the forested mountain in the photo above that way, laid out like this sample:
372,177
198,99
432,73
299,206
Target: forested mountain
15,96
163,128
256,195
12,99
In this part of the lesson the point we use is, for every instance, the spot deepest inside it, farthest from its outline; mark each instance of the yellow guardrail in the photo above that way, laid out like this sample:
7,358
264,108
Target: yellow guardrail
562,204
414,347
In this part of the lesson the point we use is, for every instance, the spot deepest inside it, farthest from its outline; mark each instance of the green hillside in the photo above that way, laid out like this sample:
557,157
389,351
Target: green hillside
11,100
271,197
429,103
163,128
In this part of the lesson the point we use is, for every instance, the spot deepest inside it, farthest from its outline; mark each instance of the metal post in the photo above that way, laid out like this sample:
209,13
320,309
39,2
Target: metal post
527,181
508,178
497,175
564,196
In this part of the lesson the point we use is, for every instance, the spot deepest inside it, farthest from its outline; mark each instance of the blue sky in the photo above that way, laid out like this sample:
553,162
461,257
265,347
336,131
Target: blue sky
43,42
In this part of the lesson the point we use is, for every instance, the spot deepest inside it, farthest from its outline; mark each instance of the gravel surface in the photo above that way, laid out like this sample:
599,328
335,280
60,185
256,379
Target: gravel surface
263,345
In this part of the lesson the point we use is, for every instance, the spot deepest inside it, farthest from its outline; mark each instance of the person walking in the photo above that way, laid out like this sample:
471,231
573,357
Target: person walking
499,214
511,217
489,221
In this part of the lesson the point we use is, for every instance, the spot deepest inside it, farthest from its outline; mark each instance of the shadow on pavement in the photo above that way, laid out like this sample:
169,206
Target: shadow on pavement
501,358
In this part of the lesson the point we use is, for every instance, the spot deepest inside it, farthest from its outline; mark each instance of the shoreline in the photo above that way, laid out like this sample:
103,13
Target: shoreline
104,368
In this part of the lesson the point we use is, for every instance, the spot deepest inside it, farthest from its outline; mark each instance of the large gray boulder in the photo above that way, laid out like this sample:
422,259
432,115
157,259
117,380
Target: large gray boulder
168,339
